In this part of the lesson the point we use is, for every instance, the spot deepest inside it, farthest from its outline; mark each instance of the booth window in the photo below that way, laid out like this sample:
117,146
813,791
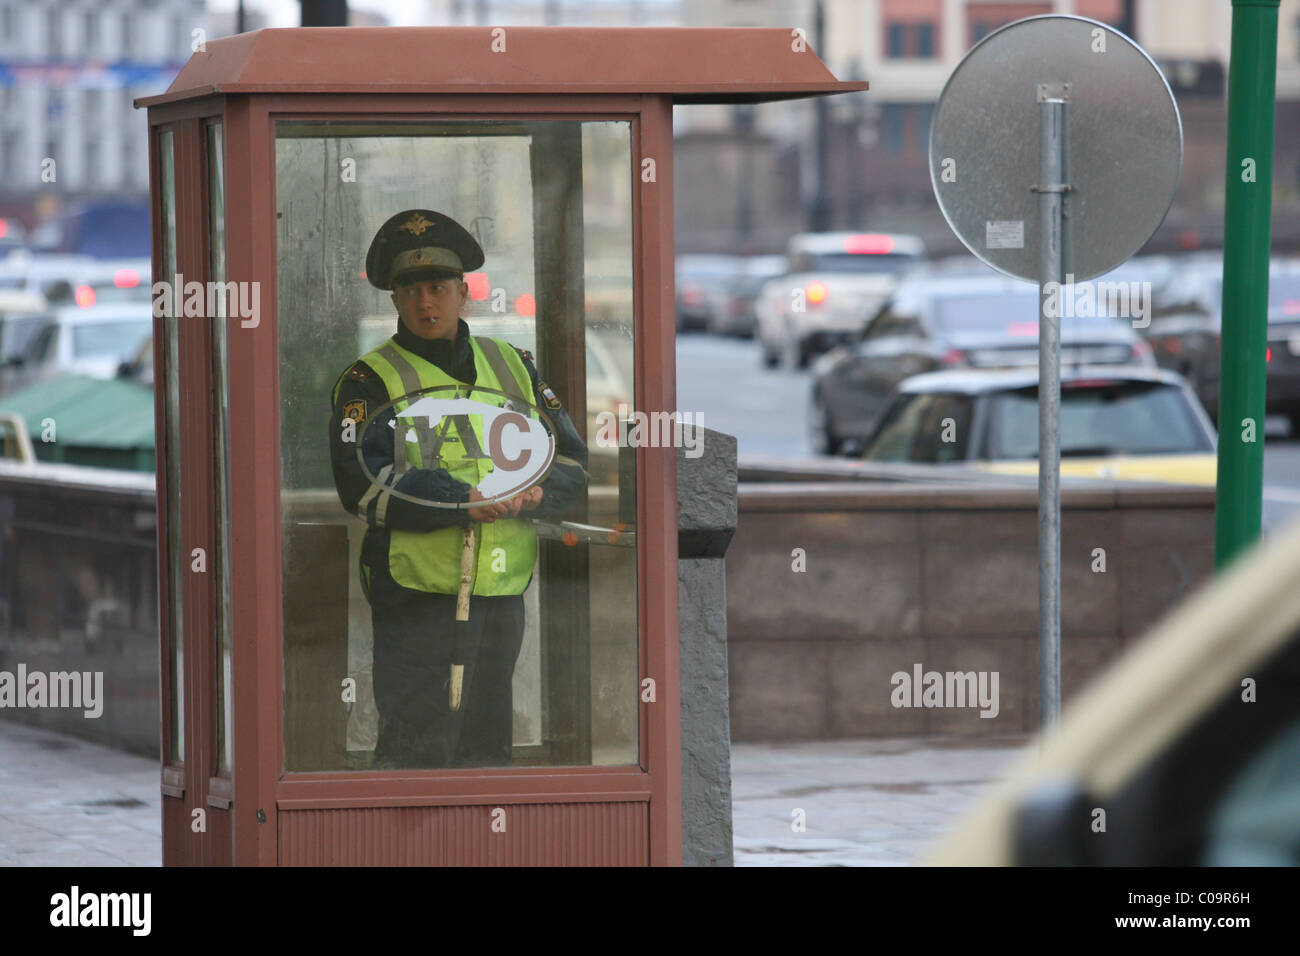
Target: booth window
172,448
370,578
221,441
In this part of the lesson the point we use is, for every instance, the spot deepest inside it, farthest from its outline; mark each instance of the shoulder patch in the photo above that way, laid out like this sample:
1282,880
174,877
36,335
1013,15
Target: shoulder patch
548,396
355,410
526,355
358,373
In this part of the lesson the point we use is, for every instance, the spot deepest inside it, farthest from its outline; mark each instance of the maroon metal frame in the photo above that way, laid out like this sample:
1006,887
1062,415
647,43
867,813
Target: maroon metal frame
261,789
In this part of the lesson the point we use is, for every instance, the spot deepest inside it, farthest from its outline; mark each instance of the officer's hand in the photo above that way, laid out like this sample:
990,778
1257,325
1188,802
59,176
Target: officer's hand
531,498
488,512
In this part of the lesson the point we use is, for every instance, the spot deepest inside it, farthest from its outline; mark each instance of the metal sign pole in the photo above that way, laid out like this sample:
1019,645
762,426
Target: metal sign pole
1051,189
1025,220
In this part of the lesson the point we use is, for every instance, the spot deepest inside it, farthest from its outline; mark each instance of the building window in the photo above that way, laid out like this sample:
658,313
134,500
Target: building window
893,123
925,41
54,33
894,36
924,114
90,175
909,41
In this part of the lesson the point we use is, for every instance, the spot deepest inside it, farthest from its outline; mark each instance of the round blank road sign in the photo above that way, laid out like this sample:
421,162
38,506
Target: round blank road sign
1123,155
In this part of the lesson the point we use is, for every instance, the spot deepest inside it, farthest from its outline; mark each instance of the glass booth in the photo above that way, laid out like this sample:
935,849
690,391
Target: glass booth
320,544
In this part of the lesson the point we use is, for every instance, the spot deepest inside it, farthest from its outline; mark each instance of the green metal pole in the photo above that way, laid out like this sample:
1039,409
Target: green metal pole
1252,76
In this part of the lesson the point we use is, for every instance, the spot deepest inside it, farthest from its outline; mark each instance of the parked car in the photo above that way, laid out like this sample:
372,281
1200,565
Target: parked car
832,283
53,277
1186,325
1129,423
931,323
701,282
737,316
1190,745
92,341
13,234
109,281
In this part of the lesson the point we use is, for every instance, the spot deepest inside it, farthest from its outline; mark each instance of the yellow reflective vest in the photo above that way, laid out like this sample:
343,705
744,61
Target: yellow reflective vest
506,549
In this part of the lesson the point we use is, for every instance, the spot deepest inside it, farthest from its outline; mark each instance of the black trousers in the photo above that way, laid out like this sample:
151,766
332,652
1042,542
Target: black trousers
416,640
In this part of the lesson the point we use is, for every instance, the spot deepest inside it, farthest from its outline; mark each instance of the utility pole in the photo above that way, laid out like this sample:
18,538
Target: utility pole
324,13
1247,222
820,214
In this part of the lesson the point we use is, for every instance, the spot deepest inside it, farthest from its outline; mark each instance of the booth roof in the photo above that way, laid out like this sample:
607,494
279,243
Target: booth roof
690,64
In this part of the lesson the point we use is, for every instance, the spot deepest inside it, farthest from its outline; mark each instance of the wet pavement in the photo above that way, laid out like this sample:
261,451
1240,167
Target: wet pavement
66,802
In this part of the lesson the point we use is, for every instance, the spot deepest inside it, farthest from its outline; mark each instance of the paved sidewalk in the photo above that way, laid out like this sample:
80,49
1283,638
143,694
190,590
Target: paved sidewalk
865,802
65,802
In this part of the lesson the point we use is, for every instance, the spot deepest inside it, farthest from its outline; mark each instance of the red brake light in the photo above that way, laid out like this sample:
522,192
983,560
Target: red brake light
85,296
953,357
1268,355
1022,328
4,228
126,278
478,285
872,245
816,292
525,304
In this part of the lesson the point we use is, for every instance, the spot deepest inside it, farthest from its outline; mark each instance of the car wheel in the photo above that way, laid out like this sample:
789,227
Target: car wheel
767,357
1294,418
824,439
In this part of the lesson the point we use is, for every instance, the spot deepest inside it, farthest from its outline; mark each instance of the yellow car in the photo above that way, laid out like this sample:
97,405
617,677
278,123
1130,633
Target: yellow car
1116,422
1185,753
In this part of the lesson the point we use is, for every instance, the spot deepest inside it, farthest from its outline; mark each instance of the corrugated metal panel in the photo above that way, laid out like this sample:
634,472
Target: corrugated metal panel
534,834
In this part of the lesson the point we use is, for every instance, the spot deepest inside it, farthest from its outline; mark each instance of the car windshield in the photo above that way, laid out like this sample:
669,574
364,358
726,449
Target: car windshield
931,427
117,339
859,262
1099,419
1283,295
1012,313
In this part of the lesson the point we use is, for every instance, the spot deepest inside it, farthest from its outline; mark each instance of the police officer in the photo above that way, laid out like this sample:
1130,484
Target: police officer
412,553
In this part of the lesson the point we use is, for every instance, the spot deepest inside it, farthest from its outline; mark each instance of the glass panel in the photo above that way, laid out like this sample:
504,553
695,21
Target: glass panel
221,439
171,380
375,496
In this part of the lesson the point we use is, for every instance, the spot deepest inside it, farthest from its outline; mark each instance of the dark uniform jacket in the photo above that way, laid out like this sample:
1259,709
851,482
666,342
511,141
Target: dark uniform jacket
560,489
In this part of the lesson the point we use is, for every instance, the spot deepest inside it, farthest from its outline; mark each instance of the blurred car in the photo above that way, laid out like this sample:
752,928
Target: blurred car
13,234
737,317
1190,743
1186,326
54,277
1137,424
92,341
701,282
111,281
833,281
932,323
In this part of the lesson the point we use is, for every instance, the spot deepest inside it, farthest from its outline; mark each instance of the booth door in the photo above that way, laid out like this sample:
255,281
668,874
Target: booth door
191,378
368,743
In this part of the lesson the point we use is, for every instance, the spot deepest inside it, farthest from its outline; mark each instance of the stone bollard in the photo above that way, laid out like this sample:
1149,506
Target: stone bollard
706,521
